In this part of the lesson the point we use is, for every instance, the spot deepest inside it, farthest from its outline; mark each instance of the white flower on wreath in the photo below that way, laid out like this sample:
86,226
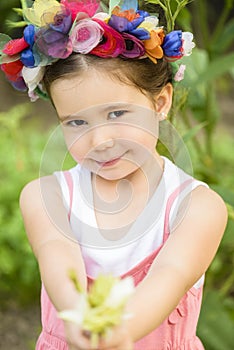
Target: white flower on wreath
32,78
188,43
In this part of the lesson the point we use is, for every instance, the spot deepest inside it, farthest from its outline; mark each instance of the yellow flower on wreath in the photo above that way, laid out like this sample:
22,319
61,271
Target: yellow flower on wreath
34,14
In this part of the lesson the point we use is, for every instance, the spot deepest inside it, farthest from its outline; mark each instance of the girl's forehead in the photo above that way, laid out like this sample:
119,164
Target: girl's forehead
77,93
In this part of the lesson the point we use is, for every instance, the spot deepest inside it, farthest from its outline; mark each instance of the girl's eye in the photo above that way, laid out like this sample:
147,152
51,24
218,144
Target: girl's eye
116,114
77,122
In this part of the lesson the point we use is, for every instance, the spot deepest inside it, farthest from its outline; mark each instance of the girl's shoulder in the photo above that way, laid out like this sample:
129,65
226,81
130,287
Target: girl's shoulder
194,197
37,189
50,182
203,208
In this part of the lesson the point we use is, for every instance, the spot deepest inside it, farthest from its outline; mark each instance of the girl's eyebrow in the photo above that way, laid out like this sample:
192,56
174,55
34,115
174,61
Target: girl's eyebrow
104,109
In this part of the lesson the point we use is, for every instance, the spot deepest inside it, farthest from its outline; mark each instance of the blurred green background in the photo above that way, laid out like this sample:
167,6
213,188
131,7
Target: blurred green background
203,115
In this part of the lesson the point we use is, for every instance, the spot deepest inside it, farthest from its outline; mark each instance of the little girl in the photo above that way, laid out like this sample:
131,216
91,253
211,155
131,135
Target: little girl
123,209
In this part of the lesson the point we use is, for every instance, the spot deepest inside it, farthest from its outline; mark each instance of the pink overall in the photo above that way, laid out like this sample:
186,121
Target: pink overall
177,332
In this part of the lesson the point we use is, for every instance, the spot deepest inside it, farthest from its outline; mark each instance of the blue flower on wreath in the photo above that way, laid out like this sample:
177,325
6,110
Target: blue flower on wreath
27,57
128,21
172,45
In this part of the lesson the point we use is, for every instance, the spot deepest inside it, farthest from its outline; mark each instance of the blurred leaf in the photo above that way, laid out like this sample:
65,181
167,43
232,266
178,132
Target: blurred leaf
215,326
225,193
192,132
226,38
228,239
4,40
184,20
215,69
230,209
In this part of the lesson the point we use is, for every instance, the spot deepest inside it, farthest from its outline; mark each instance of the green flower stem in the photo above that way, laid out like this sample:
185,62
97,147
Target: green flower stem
166,6
94,340
180,7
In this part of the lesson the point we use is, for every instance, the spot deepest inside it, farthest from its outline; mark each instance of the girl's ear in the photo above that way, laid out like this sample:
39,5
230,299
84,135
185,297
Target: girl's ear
163,100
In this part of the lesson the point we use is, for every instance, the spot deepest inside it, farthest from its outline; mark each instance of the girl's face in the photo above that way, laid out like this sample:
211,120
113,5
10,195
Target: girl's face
109,127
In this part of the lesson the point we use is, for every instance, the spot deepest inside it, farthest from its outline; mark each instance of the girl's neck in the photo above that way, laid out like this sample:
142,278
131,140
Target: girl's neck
119,203
144,181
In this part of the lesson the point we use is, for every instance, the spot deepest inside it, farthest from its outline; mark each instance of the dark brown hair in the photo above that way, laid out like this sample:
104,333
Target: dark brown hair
143,74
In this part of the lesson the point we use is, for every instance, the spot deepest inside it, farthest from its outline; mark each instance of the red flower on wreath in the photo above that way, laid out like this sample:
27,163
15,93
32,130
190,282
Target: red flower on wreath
15,46
112,44
12,70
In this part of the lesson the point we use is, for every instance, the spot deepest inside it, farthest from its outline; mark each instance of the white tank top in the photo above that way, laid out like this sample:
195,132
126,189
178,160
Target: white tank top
102,255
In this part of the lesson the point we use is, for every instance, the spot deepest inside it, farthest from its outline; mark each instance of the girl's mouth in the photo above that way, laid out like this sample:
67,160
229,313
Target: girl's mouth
110,162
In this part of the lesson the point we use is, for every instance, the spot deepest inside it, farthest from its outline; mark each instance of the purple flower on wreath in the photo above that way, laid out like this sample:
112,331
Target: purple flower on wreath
53,43
134,47
53,40
19,84
26,56
173,44
128,21
62,22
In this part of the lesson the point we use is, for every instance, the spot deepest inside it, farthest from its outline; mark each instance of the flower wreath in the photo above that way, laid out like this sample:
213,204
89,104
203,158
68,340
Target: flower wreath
54,29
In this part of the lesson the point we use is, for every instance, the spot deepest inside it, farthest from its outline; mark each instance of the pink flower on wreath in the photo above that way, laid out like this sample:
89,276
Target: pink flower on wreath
112,44
134,47
86,35
180,73
75,6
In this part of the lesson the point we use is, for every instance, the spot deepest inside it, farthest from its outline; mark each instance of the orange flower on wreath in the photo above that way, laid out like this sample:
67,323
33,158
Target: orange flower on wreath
153,47
130,15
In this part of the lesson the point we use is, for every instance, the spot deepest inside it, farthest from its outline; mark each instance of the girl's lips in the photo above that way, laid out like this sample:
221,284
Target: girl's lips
110,162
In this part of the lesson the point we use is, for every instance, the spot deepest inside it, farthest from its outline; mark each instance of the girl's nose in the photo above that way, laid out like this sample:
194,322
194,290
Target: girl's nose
102,138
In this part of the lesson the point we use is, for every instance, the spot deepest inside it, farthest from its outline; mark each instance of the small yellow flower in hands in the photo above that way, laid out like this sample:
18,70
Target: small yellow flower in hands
102,308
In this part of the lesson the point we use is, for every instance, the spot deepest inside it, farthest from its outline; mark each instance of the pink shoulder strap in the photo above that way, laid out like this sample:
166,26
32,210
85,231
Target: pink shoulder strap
69,181
170,202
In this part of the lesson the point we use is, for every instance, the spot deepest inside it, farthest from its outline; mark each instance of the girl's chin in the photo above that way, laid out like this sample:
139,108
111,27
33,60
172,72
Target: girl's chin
112,174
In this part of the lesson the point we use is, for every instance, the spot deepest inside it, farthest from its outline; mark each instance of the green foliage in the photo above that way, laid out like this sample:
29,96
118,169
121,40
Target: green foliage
216,323
21,150
6,12
19,162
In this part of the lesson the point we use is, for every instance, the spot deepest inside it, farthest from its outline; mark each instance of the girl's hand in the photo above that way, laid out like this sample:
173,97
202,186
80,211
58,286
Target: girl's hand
118,339
75,337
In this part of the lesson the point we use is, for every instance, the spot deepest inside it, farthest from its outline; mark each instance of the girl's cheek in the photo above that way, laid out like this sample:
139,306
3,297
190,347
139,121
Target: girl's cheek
73,142
76,153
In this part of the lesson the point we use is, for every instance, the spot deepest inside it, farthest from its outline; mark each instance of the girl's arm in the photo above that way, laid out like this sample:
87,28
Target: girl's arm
184,258
50,235
48,229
